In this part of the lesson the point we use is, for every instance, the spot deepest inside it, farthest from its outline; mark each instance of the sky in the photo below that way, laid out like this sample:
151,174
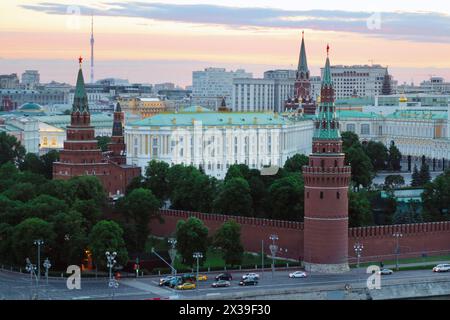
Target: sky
161,41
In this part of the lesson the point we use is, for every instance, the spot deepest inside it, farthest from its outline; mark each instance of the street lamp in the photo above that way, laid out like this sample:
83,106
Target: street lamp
358,250
110,262
197,255
273,250
31,268
397,235
172,253
39,243
47,265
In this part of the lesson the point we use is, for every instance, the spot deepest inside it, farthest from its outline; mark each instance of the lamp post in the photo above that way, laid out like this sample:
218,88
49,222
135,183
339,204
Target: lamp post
110,262
358,250
273,250
31,268
47,265
38,243
197,255
397,235
172,253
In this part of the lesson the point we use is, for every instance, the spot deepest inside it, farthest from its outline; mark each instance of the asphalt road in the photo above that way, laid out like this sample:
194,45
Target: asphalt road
15,286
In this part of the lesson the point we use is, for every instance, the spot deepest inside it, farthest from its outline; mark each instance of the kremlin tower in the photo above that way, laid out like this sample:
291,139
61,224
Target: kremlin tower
302,86
81,154
327,180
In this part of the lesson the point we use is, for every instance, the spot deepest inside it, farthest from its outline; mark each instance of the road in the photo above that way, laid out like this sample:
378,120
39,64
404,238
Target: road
15,286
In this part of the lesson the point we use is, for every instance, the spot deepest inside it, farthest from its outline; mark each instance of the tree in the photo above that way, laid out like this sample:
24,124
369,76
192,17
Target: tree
377,153
135,183
296,163
107,236
259,195
362,170
6,233
424,174
87,188
192,236
8,175
21,191
237,171
11,149
156,178
24,235
436,198
89,210
408,213
394,181
359,210
47,161
234,198
32,163
286,198
228,239
349,139
138,208
45,207
102,142
70,237
415,182
191,189
11,211
394,158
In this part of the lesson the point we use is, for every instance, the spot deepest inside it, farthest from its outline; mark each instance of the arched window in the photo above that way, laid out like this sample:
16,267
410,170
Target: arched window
321,194
338,195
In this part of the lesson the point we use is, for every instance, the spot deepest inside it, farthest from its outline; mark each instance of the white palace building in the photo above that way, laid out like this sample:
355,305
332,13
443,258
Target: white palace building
215,140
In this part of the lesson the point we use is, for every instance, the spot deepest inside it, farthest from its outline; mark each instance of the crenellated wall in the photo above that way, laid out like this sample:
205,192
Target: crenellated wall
378,241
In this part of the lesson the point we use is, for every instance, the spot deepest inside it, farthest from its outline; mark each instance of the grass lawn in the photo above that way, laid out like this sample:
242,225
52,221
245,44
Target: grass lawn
408,261
214,259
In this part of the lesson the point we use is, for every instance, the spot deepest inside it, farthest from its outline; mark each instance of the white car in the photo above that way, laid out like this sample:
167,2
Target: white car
250,275
297,274
385,271
445,267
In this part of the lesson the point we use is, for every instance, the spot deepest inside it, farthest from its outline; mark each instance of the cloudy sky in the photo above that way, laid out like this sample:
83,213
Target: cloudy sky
158,41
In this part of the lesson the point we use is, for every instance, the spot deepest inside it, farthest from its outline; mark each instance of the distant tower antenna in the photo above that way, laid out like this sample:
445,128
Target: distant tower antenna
92,48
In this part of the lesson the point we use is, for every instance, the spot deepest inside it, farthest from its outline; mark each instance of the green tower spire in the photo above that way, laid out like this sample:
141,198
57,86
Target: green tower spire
302,62
326,123
80,101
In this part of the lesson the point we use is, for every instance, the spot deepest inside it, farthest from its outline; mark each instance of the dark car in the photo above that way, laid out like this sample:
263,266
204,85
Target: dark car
224,276
189,277
221,283
248,282
176,281
165,281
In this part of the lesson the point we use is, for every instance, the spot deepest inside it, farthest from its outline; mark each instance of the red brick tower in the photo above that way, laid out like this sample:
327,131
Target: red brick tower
326,187
302,86
81,154
80,147
116,147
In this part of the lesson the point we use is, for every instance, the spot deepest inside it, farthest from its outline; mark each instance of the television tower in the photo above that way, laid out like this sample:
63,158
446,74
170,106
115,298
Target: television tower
92,49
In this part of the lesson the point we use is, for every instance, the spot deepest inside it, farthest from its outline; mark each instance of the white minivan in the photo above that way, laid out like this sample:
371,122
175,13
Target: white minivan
442,267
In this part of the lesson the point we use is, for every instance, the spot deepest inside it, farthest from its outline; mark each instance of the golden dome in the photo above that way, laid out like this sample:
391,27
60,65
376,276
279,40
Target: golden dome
403,98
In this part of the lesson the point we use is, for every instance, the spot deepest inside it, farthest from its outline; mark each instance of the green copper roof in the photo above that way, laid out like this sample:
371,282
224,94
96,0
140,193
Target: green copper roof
326,80
213,119
98,120
343,114
80,102
30,107
195,109
327,121
419,115
302,62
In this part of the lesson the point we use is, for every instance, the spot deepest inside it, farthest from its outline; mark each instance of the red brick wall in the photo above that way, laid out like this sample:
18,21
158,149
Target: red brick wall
379,243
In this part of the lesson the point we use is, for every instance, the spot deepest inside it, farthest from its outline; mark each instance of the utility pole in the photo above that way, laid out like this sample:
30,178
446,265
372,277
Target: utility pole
397,235
38,243
273,250
262,258
172,254
358,250
197,255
